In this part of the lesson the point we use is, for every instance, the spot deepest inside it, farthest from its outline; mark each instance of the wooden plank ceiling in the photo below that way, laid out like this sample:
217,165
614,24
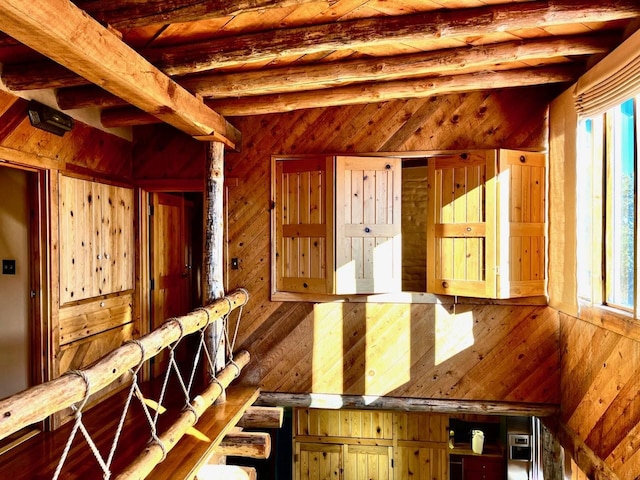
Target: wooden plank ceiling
266,56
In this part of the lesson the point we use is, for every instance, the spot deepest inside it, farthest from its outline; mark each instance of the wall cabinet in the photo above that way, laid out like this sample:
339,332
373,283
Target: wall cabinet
367,444
96,239
337,224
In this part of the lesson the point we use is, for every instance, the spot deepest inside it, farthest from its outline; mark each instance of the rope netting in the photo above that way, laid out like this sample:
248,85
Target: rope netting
204,356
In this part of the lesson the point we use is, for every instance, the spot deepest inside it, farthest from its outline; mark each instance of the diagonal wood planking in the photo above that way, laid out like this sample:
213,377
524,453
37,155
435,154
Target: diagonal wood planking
281,335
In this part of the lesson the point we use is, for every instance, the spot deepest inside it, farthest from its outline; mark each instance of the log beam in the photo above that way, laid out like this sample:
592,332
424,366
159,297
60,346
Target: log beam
94,52
41,401
349,35
262,417
394,90
404,404
125,14
367,93
246,444
311,77
156,451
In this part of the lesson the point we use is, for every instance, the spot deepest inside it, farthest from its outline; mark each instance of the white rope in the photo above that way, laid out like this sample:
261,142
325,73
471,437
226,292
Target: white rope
203,350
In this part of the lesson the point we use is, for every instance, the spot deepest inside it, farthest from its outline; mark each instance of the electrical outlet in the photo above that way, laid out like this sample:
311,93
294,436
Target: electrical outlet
8,267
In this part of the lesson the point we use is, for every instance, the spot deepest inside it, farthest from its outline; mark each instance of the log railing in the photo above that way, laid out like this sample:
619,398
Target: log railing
39,402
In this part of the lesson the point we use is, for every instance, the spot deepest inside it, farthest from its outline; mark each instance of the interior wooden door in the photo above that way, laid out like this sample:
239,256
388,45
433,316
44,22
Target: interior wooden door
170,278
368,225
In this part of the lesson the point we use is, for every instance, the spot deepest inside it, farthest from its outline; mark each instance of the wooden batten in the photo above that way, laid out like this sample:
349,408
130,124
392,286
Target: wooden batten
246,444
262,417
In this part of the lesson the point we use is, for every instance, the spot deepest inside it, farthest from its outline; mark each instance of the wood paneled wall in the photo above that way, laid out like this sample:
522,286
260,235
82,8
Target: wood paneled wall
506,353
600,384
84,331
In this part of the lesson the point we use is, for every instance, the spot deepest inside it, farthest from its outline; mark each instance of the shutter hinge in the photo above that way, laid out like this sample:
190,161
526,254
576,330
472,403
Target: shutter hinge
392,463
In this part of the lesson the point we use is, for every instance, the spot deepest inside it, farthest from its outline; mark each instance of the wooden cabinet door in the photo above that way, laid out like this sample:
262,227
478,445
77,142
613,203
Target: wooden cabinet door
318,461
461,235
368,225
368,462
421,462
303,224
96,239
521,244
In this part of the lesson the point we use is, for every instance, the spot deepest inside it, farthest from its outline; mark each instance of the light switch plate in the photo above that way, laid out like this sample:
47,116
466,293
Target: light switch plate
8,267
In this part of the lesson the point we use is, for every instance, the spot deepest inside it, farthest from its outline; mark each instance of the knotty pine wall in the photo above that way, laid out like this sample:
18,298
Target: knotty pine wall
88,153
492,352
600,384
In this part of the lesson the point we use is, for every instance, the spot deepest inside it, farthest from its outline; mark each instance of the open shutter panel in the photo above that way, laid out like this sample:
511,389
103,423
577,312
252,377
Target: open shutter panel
521,246
461,239
368,225
304,207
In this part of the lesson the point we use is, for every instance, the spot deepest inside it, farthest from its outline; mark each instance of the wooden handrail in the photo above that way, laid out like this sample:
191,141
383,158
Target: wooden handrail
38,402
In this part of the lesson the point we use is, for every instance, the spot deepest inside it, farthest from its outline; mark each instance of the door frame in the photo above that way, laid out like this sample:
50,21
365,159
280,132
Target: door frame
143,303
39,313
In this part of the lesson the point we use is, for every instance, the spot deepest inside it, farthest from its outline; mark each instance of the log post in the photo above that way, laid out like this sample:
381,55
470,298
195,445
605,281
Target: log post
213,241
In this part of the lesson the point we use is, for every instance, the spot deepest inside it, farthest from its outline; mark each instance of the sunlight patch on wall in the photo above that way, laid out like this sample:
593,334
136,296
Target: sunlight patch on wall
327,348
454,333
388,351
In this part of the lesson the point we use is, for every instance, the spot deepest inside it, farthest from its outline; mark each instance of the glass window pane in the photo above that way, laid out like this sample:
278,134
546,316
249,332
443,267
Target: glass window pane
620,217
584,176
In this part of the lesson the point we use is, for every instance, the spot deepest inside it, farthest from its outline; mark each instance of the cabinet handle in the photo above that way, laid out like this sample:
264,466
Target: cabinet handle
445,284
102,304
106,255
99,257
367,230
523,159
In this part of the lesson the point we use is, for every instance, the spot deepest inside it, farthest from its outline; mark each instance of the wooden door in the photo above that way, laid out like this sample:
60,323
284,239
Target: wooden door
318,461
461,233
303,222
368,225
170,278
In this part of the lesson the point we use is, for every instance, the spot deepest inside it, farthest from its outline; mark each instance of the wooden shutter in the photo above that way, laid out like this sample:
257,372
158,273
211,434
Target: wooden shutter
461,243
521,243
303,247
368,225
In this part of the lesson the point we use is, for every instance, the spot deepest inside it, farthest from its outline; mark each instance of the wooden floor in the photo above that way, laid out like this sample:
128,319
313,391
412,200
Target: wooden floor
37,458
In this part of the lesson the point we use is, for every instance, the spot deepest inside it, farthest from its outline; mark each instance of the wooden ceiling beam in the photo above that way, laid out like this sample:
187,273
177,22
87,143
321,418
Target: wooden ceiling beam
360,94
349,35
310,77
124,14
354,34
81,44
398,89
